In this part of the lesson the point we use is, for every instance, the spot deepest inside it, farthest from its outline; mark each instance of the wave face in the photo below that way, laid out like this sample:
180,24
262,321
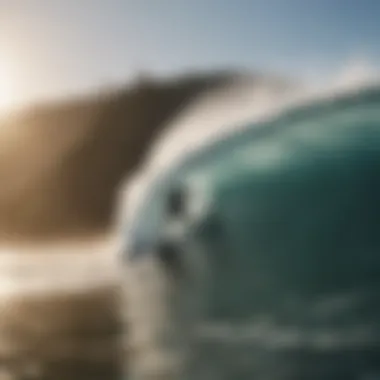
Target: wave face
290,275
218,113
294,258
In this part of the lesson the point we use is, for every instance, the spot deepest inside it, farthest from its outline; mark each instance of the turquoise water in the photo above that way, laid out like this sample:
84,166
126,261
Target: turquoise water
292,237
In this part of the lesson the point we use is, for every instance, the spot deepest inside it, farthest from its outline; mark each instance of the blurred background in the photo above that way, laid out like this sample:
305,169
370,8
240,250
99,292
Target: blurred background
86,86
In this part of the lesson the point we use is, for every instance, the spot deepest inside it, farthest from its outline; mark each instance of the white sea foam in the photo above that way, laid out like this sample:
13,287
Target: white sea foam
50,268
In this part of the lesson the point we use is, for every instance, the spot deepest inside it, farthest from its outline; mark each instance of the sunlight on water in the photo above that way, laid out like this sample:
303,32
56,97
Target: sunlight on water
55,268
59,310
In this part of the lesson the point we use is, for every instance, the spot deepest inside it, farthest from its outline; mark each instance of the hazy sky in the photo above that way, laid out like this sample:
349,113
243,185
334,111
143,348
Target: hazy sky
53,47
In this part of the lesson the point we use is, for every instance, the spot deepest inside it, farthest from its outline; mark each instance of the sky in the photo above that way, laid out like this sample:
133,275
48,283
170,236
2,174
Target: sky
54,48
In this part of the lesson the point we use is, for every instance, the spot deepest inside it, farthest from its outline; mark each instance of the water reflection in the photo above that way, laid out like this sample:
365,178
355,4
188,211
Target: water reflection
59,313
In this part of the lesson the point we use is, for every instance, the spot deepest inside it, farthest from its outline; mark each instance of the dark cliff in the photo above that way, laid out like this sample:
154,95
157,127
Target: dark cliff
61,163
